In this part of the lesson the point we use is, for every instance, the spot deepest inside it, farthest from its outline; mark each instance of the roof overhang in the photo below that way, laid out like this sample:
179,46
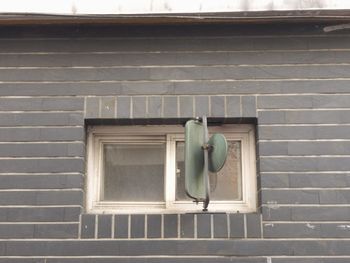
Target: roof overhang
171,11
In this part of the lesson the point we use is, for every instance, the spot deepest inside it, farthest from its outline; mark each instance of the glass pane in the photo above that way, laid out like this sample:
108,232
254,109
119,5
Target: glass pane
224,185
133,172
180,172
227,183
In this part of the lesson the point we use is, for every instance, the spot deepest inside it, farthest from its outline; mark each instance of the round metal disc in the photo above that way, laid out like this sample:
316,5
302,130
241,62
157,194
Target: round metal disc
218,153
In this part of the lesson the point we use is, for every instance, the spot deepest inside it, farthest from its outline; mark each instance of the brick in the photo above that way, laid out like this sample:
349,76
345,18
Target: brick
56,231
39,214
220,225
154,106
22,260
154,225
42,134
187,226
304,148
203,225
334,197
186,106
137,227
311,260
320,213
41,165
304,132
285,102
335,230
273,148
328,180
104,227
76,149
41,104
71,214
305,117
290,196
305,230
201,106
272,117
275,213
139,107
42,181
306,196
42,150
274,180
17,231
199,88
18,198
290,132
217,105
41,198
121,226
318,148
107,107
170,225
143,88
92,109
331,101
41,119
249,106
233,105
170,107
88,226
123,107
301,164
236,226
253,225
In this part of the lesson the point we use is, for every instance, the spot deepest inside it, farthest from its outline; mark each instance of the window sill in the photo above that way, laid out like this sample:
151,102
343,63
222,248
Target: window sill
162,208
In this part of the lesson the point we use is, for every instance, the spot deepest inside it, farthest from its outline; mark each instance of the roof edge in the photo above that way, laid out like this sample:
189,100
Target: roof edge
179,18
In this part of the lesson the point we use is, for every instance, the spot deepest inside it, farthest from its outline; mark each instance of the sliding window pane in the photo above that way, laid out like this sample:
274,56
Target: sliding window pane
133,172
226,185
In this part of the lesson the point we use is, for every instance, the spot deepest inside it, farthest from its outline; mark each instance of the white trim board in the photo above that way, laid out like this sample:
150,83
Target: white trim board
123,7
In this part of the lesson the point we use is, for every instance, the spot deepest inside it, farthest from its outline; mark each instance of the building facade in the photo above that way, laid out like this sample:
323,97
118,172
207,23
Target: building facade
287,82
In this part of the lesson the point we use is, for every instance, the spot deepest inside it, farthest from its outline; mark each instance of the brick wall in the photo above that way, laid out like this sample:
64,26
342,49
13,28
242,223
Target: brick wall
292,79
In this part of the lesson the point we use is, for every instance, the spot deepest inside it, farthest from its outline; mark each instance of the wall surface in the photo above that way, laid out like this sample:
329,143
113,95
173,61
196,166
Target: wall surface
292,80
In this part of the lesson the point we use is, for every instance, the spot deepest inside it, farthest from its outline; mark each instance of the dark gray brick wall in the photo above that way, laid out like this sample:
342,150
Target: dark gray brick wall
295,85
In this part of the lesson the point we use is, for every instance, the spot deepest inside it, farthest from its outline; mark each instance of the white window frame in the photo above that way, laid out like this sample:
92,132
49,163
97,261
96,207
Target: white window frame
169,135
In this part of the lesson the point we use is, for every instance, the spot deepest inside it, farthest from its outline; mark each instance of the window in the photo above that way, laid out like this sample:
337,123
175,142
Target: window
140,169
